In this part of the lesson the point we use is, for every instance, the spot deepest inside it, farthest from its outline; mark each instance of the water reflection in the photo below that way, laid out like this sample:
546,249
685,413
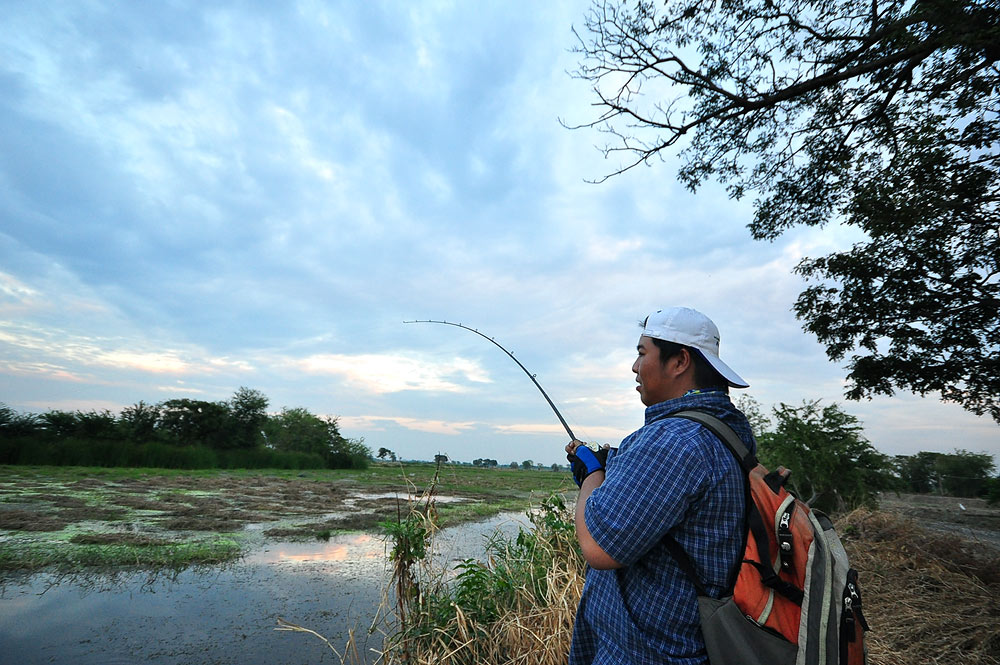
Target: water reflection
338,548
217,614
407,499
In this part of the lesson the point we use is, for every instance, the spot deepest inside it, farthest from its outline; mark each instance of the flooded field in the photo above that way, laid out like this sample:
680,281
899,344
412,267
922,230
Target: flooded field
80,582
217,614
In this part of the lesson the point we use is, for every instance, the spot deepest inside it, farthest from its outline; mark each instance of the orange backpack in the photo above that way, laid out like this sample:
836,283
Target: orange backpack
795,598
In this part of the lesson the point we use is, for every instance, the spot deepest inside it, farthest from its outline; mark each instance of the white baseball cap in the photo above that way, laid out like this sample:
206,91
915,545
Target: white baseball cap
683,325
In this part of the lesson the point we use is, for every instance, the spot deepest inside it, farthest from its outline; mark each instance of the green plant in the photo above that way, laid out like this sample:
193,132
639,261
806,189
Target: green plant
491,610
83,553
833,465
993,491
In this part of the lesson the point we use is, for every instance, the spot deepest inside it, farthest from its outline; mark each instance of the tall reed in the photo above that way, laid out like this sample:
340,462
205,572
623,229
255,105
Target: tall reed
517,606
929,596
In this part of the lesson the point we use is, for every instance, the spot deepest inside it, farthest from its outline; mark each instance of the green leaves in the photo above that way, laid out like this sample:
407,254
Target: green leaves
297,429
880,117
833,466
919,302
961,473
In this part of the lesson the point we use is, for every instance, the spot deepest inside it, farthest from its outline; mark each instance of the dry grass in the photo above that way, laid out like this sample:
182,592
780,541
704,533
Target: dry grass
929,597
134,539
29,520
536,631
516,608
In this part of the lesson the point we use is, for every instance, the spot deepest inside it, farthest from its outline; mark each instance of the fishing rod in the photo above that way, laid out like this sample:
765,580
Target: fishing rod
530,375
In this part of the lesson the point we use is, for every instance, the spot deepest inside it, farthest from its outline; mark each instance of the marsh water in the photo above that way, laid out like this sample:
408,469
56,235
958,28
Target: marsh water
220,614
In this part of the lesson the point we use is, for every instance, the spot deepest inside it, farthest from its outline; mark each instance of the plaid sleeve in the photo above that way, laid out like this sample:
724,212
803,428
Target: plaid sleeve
648,489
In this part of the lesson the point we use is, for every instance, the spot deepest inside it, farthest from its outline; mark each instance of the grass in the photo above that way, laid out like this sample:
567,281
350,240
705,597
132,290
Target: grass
86,554
43,510
516,607
929,597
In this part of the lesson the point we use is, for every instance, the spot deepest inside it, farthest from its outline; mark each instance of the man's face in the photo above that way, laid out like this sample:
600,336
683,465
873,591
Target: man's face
656,384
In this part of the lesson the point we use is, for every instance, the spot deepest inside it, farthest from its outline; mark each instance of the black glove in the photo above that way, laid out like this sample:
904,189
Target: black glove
585,461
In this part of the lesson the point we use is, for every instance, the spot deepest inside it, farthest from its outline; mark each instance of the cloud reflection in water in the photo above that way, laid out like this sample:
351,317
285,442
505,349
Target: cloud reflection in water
348,547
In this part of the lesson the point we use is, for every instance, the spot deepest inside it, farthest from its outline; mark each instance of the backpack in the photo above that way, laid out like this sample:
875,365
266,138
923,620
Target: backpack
793,599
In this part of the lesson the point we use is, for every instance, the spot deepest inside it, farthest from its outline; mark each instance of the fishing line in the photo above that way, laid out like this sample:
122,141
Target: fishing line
525,369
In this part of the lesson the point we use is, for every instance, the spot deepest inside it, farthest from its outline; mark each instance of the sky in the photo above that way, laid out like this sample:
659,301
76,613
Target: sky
196,197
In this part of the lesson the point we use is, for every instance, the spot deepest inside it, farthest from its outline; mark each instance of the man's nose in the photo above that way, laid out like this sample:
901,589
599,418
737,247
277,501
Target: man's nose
635,366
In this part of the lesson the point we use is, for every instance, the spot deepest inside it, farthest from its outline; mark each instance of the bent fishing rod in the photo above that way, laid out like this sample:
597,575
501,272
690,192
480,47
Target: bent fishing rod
525,369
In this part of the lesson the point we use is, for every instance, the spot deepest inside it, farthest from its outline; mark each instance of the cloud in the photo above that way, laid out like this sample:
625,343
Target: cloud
13,292
390,373
179,387
42,370
604,433
603,249
73,405
198,197
69,355
430,426
152,363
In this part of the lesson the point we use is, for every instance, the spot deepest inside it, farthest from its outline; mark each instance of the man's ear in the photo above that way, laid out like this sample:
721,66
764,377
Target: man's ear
681,362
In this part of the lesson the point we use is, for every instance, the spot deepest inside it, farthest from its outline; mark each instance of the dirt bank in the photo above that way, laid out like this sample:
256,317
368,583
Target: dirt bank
972,519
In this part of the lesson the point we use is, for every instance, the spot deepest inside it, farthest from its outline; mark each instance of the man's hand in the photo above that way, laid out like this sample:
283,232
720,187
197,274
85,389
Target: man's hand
579,454
584,461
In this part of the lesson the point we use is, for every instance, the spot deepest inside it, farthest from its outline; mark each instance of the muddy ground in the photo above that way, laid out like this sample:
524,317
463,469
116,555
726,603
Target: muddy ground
333,580
973,519
148,509
40,506
172,505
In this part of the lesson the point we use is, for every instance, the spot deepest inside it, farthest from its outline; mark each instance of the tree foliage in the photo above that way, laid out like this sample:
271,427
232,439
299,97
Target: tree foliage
961,473
248,409
181,433
195,422
296,429
345,453
299,430
833,466
879,115
917,472
964,473
138,422
993,491
14,424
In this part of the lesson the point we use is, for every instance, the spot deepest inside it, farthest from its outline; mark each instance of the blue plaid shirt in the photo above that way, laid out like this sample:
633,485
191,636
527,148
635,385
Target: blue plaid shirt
671,476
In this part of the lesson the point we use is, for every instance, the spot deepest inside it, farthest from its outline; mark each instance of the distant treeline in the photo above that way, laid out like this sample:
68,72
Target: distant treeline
835,468
961,473
181,434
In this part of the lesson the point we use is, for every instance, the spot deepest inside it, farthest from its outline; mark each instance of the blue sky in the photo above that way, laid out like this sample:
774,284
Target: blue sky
196,197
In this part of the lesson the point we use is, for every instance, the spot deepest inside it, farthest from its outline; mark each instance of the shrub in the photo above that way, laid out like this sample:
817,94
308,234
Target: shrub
519,603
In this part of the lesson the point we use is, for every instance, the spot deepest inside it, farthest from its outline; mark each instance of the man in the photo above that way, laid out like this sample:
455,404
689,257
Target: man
672,477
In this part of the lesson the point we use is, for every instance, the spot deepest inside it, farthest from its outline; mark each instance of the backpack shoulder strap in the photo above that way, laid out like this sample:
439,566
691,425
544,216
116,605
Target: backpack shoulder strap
747,461
725,433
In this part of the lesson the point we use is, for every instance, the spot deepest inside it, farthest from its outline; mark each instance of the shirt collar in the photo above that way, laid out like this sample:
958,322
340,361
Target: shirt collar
693,399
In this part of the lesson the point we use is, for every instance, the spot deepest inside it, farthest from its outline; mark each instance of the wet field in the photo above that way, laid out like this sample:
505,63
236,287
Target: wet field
311,549
218,614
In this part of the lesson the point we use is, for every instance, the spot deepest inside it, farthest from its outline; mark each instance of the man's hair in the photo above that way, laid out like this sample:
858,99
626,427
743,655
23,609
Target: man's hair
705,376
